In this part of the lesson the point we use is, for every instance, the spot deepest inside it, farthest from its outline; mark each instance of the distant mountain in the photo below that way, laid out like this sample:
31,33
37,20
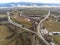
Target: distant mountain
26,4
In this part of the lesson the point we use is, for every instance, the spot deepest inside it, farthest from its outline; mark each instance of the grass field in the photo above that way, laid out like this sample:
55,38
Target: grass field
22,21
32,12
52,25
55,13
57,39
3,15
4,32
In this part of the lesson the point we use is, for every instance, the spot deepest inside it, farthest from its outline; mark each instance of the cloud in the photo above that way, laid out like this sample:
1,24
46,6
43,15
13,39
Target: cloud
41,1
7,1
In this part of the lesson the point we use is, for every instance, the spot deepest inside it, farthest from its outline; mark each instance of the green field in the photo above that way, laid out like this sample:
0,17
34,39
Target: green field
35,12
32,12
55,13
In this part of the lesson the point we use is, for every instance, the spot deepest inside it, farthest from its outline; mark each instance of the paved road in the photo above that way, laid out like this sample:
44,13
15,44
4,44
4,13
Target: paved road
38,27
18,25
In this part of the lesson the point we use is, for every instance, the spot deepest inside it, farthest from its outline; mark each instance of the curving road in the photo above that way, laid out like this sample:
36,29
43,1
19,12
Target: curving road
38,27
19,25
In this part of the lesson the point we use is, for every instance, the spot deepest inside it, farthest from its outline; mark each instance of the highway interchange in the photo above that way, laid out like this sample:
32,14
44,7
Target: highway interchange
26,29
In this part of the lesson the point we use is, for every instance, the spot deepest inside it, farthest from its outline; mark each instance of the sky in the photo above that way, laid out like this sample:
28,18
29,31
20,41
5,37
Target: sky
41,1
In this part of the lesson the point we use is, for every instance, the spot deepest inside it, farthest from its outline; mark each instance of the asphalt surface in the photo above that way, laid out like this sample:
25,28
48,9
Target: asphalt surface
38,28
